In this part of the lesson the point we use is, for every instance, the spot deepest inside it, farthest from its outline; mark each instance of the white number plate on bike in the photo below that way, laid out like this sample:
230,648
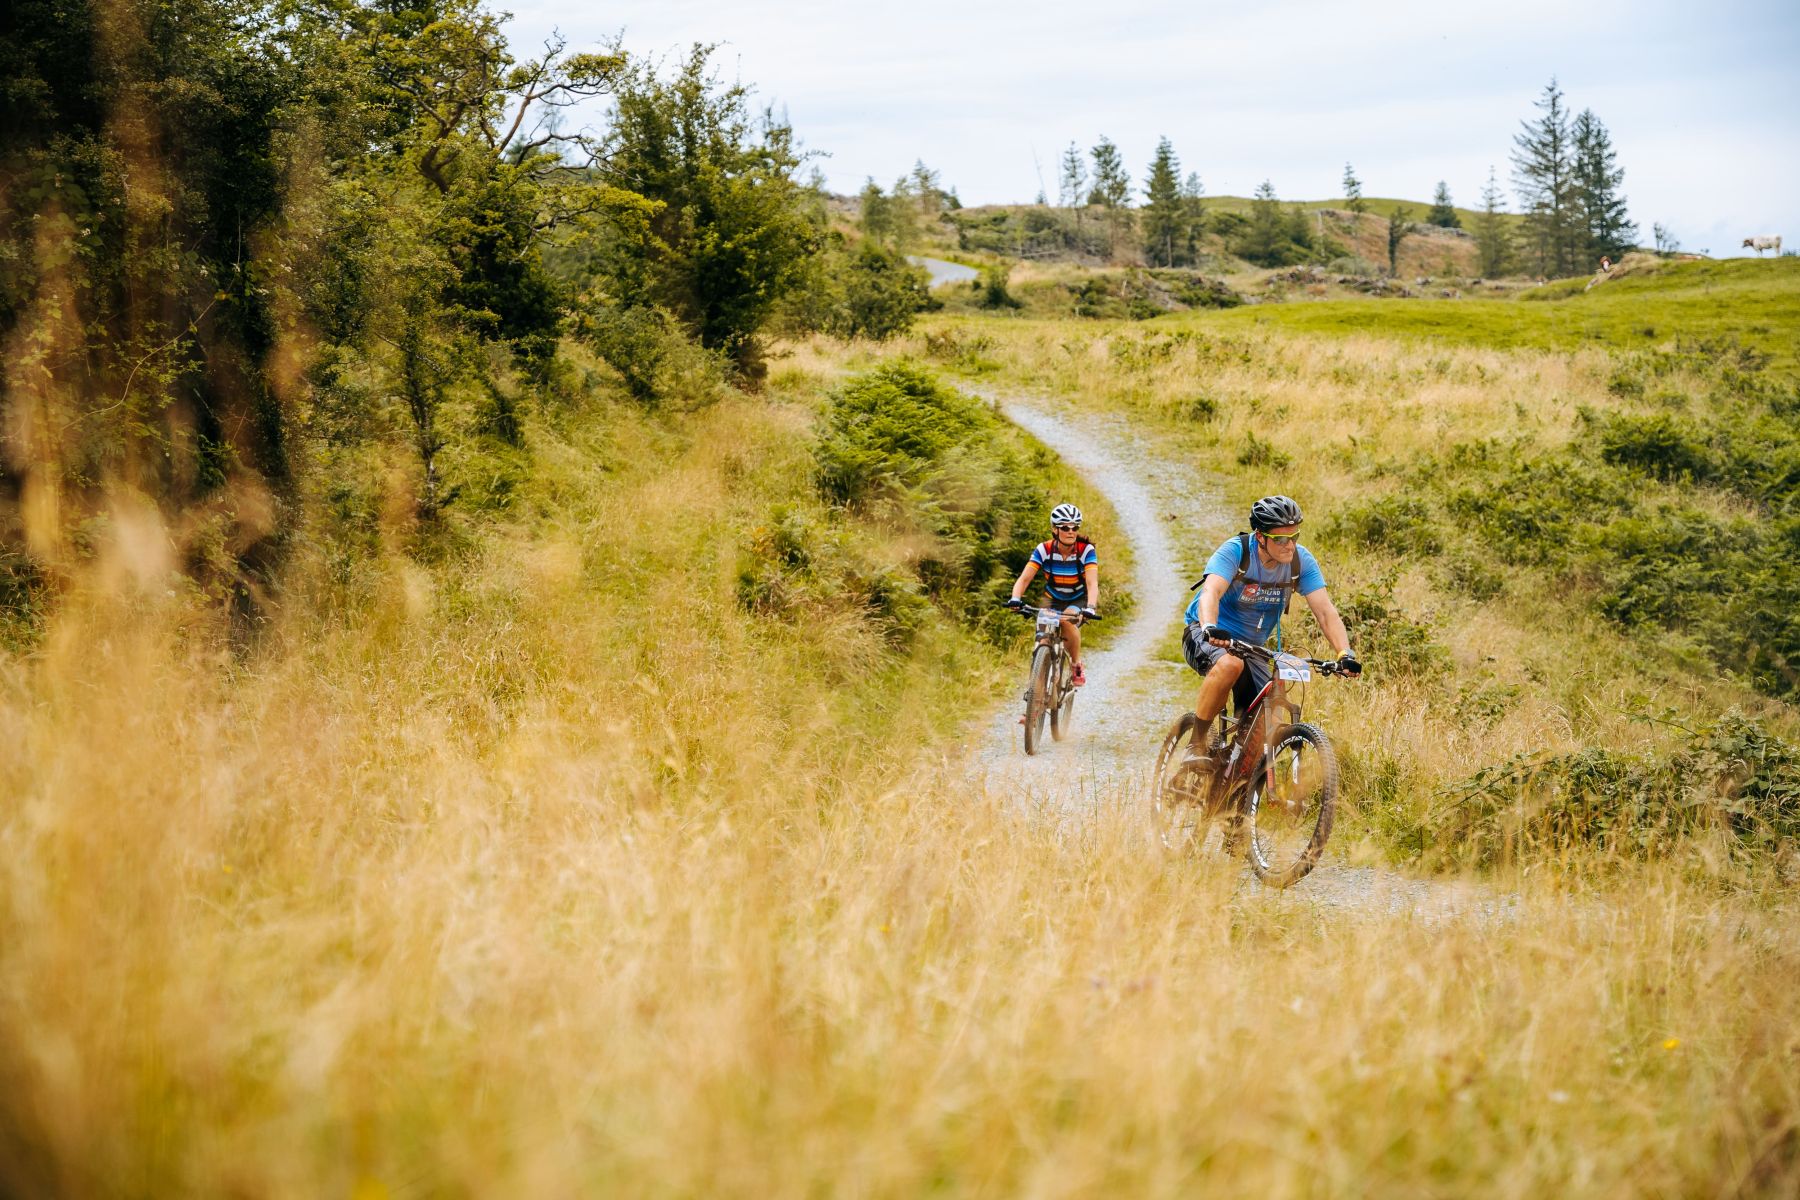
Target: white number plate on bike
1292,669
1048,620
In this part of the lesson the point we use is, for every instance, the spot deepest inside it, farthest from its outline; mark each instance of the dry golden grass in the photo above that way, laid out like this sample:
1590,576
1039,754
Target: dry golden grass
549,872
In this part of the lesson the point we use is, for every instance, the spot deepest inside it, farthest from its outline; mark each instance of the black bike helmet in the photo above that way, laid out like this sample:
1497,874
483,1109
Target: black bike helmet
1272,512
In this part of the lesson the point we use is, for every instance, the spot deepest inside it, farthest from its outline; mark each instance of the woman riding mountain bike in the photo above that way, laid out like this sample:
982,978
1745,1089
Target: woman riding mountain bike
1071,570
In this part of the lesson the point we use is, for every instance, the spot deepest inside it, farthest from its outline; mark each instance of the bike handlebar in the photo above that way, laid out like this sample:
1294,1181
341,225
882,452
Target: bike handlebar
1025,610
1326,666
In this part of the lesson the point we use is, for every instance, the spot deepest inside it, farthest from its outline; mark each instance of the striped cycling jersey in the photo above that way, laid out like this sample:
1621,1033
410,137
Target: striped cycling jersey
1064,580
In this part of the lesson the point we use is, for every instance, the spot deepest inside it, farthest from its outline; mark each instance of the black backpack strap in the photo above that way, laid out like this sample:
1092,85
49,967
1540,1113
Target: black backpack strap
1243,540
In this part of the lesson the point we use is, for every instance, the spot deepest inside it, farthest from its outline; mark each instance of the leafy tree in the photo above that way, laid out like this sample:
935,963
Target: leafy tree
1492,240
730,235
1544,173
1608,229
882,293
1399,225
1163,205
1353,195
1443,213
877,220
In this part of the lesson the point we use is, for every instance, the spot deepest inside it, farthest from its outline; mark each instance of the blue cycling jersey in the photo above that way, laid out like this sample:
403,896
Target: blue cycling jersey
1250,610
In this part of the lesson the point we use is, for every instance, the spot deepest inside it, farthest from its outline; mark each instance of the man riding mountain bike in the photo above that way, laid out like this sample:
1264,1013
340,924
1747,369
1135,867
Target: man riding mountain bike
1243,595
1071,579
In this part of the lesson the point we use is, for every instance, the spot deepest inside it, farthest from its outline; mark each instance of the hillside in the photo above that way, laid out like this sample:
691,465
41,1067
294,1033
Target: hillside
507,689
1041,234
1651,304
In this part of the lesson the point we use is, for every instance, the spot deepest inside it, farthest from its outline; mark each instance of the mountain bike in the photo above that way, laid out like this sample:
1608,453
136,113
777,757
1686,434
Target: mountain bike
1049,693
1272,778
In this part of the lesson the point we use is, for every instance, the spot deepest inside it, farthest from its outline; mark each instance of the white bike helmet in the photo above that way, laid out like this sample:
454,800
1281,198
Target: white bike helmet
1065,514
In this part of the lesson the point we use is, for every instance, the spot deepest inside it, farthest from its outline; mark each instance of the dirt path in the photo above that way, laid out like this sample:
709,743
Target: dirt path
1174,518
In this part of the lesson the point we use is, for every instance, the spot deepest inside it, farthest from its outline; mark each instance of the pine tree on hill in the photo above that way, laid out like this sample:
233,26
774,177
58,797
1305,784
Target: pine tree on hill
1353,197
1112,189
1492,241
1264,241
1073,190
1193,216
1609,230
1399,225
1112,186
1162,205
1443,213
1544,173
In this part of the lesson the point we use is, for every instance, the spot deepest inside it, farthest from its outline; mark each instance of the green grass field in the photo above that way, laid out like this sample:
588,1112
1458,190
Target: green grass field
1755,303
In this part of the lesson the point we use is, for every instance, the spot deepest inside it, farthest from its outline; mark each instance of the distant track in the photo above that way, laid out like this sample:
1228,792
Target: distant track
943,272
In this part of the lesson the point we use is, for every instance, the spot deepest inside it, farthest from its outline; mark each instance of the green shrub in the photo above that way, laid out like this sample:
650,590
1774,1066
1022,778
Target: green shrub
1258,453
1733,777
882,293
991,283
1388,640
1661,445
940,465
1398,523
797,565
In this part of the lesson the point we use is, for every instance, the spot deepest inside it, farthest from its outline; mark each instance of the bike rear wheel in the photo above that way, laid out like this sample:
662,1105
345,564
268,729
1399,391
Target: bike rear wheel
1037,699
1180,788
1291,804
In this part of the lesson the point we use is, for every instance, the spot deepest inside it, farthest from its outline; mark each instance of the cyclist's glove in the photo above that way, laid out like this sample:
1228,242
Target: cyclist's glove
1013,602
1349,664
1214,632
1090,614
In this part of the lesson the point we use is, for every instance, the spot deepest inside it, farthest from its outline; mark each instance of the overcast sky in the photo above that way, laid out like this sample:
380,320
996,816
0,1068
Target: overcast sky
1702,101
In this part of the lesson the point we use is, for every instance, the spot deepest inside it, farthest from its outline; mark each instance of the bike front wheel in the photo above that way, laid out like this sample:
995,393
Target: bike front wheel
1062,712
1291,803
1037,699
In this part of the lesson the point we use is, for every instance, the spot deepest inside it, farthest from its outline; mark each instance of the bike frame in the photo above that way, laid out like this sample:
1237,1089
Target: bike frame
1239,765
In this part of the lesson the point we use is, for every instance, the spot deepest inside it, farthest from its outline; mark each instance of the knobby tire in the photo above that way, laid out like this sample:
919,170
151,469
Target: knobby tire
1292,797
1038,701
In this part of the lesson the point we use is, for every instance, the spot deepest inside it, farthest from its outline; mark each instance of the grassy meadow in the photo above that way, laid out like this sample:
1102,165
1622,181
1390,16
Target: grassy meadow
591,854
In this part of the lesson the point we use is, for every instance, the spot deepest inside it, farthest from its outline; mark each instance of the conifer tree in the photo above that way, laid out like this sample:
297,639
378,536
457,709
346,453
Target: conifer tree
1399,225
1193,216
1544,173
1162,205
1492,241
1609,230
925,186
1112,186
1265,240
1353,197
1073,192
1443,213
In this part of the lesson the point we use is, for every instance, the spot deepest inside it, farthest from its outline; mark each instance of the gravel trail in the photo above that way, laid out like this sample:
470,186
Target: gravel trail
1174,517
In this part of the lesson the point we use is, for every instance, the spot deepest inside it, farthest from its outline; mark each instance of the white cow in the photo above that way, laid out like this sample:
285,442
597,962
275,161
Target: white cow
1763,241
